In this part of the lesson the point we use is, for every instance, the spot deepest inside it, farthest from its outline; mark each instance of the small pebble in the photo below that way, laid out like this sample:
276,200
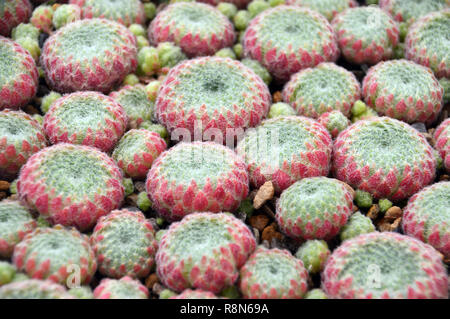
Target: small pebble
259,222
265,193
4,185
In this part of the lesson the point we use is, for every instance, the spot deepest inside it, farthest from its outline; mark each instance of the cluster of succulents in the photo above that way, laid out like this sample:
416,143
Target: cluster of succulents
18,75
366,34
126,12
284,150
86,118
90,188
287,39
12,13
403,90
204,251
224,149
280,109
384,157
197,177
211,93
427,216
314,254
158,60
357,224
90,54
137,150
324,88
27,35
361,111
373,266
124,288
426,42
65,14
124,243
334,121
314,208
135,102
274,274
42,18
199,29
21,137
55,254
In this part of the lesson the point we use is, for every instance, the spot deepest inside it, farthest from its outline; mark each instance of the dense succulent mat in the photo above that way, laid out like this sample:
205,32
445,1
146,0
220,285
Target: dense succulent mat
91,187
384,157
286,149
324,88
91,54
12,13
18,75
366,34
373,266
197,177
204,251
426,42
197,28
219,149
21,137
286,39
403,90
211,93
124,11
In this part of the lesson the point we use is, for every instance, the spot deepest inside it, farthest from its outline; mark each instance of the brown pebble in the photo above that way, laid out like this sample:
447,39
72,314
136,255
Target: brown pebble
373,211
444,177
269,233
151,280
385,226
259,222
277,97
4,185
393,213
2,195
265,193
